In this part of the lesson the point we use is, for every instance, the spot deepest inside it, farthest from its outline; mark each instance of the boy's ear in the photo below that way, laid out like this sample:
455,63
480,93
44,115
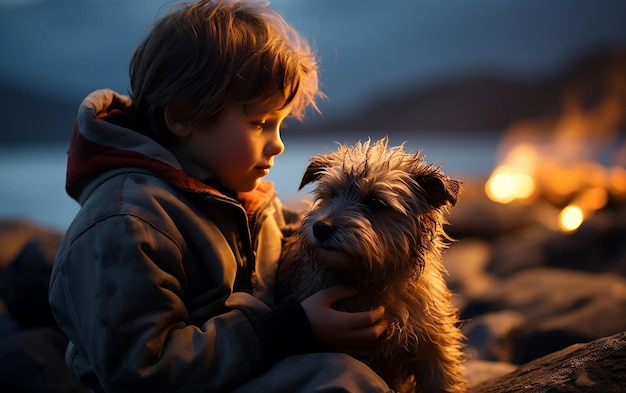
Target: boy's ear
175,118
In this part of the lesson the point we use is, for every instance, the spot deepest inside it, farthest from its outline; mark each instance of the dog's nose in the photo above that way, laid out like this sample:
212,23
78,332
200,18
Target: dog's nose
322,230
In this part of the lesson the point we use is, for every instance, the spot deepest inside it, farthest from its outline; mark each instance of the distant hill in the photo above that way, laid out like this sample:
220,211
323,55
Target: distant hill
489,103
475,103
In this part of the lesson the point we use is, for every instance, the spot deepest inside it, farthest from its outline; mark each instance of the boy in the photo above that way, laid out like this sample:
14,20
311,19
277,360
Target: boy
164,280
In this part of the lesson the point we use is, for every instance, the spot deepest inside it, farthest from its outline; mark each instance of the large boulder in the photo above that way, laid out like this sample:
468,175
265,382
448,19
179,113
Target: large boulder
15,233
561,307
24,284
32,348
596,367
32,360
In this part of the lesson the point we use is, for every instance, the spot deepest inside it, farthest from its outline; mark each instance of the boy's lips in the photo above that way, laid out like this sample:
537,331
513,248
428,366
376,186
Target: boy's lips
265,169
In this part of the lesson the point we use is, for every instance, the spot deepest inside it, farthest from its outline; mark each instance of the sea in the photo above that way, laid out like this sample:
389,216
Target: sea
32,178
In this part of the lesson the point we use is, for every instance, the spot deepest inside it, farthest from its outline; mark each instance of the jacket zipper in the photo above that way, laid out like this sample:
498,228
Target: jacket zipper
245,276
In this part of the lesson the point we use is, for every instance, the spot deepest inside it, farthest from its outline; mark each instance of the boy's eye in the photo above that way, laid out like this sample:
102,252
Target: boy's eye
259,124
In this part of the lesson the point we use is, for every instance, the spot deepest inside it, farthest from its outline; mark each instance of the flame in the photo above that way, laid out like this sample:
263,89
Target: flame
582,208
594,198
617,180
505,185
570,218
513,179
560,161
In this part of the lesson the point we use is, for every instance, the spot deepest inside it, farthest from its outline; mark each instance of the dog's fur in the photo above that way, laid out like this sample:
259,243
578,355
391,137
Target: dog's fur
376,223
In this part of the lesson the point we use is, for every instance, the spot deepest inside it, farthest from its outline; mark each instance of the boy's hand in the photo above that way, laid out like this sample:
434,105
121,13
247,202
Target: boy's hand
352,333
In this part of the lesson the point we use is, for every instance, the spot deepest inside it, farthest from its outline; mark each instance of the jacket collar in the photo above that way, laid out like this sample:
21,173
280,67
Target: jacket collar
102,140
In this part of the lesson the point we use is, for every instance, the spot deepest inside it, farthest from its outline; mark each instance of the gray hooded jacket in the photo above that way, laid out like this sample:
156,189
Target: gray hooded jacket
163,283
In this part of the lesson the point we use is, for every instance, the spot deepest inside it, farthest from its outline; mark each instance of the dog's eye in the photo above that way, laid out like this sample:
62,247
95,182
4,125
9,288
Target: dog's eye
375,203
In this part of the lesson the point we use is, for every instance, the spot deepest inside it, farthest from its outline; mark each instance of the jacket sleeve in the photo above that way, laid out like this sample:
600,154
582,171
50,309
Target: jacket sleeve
119,296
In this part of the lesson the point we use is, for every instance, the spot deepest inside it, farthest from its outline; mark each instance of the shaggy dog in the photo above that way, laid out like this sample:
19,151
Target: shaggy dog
376,223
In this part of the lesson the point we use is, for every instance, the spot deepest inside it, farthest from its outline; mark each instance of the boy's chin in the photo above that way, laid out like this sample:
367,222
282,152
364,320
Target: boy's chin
247,187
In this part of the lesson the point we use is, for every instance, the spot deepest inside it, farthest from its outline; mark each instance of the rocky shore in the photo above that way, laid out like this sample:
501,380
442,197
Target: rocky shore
542,310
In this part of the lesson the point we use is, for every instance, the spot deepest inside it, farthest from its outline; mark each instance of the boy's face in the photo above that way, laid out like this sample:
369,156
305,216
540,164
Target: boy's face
240,146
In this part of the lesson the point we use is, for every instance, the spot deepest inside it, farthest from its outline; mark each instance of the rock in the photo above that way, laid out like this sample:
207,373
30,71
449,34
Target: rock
597,246
7,324
32,348
492,336
520,250
465,262
32,360
15,233
476,216
477,371
24,285
596,367
561,307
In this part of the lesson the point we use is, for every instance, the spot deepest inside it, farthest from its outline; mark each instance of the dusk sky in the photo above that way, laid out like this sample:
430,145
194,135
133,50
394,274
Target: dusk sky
70,47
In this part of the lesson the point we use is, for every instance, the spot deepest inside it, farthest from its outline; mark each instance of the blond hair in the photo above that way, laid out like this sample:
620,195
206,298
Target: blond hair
205,55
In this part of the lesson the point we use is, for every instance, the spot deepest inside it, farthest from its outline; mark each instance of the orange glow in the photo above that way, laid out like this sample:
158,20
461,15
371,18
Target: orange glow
514,179
570,218
559,161
594,198
505,186
523,157
617,180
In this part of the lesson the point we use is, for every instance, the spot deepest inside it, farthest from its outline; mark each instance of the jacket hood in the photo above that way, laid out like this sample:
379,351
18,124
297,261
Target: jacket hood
102,140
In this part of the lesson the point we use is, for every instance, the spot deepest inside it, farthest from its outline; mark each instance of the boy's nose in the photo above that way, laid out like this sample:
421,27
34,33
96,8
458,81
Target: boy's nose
275,145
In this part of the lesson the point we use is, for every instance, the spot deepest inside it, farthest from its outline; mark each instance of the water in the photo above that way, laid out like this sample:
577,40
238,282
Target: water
32,178
32,185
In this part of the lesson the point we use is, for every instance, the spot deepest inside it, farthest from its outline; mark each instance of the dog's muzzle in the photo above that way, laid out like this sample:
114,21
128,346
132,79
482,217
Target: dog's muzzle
322,231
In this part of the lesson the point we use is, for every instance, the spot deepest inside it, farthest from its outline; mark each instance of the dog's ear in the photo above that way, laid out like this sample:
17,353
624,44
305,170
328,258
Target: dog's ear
314,170
440,189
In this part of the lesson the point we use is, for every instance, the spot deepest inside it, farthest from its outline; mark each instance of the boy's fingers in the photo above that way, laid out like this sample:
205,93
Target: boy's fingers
338,292
380,327
362,341
367,318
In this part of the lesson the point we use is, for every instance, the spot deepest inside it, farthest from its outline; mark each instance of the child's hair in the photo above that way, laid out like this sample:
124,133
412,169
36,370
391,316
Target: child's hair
205,55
